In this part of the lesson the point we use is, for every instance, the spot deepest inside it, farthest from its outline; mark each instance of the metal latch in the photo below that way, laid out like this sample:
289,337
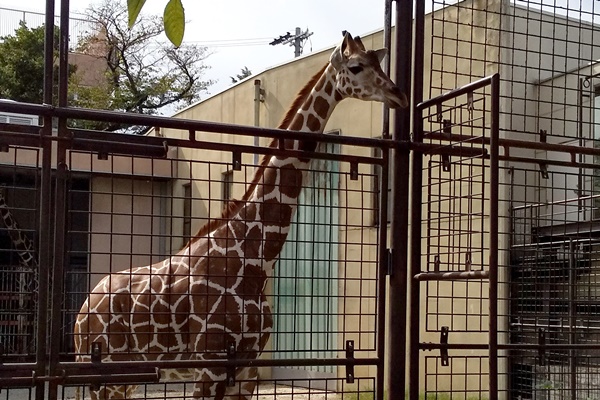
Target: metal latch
236,161
350,357
447,130
96,355
542,348
231,370
444,348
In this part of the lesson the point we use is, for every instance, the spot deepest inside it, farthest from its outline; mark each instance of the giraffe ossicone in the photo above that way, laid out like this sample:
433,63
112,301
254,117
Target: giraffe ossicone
208,299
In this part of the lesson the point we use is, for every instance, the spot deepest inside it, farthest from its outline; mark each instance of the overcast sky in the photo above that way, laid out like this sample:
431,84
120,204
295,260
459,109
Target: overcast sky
238,31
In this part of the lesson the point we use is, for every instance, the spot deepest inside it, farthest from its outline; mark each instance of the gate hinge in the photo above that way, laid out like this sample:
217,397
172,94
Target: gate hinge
447,131
96,357
236,161
389,262
443,348
231,370
542,348
350,358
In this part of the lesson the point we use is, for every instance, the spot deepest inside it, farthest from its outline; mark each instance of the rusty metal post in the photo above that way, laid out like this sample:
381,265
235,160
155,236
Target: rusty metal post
58,269
44,221
415,204
493,245
399,214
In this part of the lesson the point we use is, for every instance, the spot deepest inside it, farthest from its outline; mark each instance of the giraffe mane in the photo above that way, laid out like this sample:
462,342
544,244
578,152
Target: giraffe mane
300,97
234,206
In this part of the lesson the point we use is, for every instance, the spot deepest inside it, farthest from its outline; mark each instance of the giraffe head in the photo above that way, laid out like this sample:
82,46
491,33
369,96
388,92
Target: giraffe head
359,74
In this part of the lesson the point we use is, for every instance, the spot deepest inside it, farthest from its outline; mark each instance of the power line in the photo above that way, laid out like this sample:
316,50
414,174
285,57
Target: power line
232,42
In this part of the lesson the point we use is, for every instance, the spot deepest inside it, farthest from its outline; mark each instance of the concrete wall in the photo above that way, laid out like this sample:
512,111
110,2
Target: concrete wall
128,224
545,55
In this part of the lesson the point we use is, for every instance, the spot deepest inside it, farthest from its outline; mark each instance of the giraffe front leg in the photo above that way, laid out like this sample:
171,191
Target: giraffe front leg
211,383
111,392
246,382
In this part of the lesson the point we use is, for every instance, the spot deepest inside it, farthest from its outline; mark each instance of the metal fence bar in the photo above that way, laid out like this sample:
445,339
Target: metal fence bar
183,124
399,213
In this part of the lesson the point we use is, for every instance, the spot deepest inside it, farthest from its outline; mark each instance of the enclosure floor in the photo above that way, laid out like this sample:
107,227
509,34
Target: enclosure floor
177,392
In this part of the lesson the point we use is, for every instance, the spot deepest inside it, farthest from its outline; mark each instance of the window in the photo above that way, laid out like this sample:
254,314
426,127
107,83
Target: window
227,191
187,212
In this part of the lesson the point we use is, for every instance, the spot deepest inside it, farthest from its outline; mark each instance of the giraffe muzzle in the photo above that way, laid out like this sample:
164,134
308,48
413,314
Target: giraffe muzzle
396,99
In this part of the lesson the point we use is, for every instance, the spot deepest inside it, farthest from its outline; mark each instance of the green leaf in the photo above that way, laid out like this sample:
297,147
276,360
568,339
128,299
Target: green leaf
174,20
134,7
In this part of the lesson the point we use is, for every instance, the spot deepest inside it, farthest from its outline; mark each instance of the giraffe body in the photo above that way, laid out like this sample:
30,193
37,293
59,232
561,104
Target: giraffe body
210,297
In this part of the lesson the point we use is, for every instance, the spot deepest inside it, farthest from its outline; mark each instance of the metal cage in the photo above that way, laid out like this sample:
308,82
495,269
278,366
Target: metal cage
480,284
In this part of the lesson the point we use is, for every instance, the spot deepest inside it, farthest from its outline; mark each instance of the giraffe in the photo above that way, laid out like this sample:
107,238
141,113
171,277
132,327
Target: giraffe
28,264
208,300
24,246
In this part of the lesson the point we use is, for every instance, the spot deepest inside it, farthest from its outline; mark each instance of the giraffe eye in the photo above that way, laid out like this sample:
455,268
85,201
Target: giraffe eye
355,70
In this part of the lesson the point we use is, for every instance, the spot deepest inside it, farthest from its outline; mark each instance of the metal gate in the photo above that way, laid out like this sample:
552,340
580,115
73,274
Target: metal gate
503,234
454,265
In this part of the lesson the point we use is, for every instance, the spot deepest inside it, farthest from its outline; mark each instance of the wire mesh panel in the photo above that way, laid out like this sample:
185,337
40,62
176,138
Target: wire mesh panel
140,205
129,211
546,56
22,282
174,264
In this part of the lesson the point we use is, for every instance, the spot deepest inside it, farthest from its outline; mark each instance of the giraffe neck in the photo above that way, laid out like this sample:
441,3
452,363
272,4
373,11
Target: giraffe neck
274,200
313,114
256,231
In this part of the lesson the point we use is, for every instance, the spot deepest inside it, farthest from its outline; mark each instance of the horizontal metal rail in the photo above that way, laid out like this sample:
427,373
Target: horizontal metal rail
97,141
117,366
452,275
103,143
17,375
183,124
468,88
428,346
73,373
572,150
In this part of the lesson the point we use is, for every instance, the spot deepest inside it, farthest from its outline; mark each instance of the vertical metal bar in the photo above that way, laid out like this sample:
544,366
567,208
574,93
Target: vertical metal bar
387,62
383,269
493,257
44,222
257,101
63,54
58,269
572,320
581,144
399,222
49,51
416,203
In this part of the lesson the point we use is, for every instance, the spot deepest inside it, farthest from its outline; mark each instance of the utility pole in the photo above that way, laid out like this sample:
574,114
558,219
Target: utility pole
297,40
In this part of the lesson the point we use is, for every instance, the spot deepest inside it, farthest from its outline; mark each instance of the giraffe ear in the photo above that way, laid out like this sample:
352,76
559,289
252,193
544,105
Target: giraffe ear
338,56
381,53
359,42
